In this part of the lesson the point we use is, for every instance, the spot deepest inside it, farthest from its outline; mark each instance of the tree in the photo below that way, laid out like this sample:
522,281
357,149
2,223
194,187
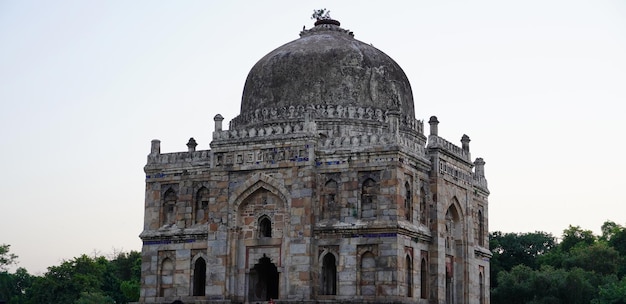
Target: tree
64,283
6,258
574,235
513,249
598,257
615,235
514,286
545,285
123,276
13,286
612,293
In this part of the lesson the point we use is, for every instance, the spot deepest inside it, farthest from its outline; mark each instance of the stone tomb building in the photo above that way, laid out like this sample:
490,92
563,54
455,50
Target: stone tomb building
324,189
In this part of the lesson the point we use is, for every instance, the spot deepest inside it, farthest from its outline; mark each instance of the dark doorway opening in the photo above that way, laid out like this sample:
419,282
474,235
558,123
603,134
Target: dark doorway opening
199,277
263,281
329,275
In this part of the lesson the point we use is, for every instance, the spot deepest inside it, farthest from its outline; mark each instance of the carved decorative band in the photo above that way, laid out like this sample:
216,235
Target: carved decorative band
321,112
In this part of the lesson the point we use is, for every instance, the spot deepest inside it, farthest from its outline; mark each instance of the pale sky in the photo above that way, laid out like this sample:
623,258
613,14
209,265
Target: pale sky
539,87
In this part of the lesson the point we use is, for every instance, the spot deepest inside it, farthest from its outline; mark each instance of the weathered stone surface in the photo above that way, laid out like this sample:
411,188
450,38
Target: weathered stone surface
324,189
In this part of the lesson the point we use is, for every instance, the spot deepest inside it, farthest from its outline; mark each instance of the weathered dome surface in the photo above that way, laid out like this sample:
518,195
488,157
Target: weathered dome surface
326,66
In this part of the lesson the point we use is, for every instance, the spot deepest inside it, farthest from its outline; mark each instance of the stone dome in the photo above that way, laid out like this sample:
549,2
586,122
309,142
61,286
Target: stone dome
326,66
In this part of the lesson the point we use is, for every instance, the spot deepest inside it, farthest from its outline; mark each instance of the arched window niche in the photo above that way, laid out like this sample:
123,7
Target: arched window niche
330,204
265,227
408,202
202,205
409,277
368,199
424,279
168,211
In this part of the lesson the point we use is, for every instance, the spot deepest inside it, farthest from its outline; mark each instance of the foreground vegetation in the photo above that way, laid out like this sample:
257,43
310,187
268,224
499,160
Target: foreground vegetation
528,268
82,280
533,268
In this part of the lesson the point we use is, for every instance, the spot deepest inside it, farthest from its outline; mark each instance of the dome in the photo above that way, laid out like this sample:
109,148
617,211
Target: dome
326,66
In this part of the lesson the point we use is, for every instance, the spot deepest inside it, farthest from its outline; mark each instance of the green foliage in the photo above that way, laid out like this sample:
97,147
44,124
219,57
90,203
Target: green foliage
598,257
574,235
130,290
82,280
547,285
612,293
582,268
94,298
512,249
122,280
6,258
13,286
615,236
64,283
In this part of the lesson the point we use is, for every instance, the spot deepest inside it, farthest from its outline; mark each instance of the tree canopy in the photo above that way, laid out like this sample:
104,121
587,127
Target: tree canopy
6,258
81,280
581,268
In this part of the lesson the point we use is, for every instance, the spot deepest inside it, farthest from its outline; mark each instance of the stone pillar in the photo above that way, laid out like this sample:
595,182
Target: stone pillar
218,122
155,148
394,122
465,140
434,125
480,167
191,145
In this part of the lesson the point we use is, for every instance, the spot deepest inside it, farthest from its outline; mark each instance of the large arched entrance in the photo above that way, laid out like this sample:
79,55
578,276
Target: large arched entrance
455,255
263,281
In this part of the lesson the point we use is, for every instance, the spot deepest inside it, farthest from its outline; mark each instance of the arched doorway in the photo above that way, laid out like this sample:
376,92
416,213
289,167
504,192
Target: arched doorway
199,277
455,242
263,281
329,275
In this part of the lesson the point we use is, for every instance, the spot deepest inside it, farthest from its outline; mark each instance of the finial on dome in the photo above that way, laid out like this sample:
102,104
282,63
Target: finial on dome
322,16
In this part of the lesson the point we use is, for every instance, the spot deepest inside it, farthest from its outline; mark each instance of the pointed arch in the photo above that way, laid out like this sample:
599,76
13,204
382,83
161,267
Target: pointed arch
199,277
265,227
168,207
201,207
328,276
409,276
424,279
455,207
453,226
481,228
481,284
367,282
456,242
166,278
256,182
423,212
330,203
369,192
408,202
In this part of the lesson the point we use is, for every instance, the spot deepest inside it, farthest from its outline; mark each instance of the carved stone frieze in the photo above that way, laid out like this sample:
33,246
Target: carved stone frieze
262,156
320,113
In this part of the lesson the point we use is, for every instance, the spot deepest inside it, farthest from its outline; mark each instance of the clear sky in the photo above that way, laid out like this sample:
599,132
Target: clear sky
539,86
